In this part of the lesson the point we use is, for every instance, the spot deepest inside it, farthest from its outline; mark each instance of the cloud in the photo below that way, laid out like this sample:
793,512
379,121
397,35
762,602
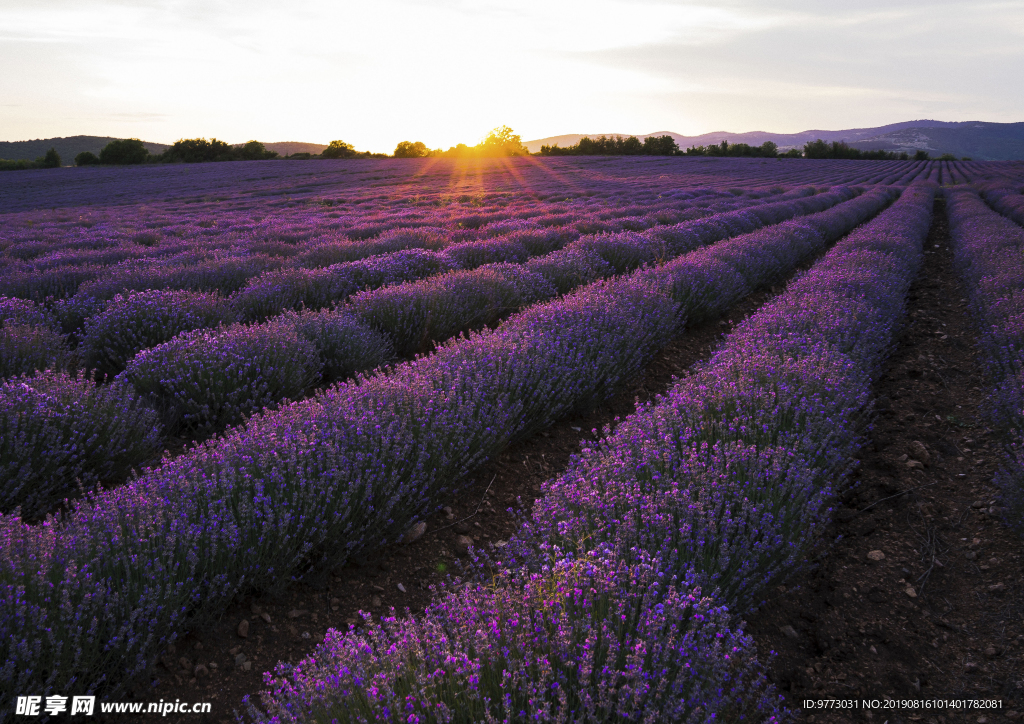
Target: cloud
444,71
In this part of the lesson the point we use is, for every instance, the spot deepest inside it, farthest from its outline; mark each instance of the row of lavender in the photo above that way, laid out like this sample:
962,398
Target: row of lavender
104,236
989,256
91,599
126,325
1007,198
91,237
614,601
224,250
318,238
292,185
262,284
201,380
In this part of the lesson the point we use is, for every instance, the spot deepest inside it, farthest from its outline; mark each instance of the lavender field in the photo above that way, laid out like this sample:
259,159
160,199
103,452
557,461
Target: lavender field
224,379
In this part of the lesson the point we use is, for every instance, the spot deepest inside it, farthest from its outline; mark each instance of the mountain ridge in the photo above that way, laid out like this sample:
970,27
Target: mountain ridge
69,147
981,140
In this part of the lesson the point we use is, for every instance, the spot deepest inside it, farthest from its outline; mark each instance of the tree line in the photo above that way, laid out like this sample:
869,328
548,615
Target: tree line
50,160
501,142
131,151
768,149
616,146
840,149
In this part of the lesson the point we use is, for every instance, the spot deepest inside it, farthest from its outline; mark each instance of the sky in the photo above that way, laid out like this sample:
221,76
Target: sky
377,72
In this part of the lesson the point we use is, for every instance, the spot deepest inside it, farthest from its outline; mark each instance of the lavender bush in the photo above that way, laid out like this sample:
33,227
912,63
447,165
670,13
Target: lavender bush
345,346
204,380
26,348
222,275
567,269
590,640
60,434
139,320
414,316
1006,198
537,241
23,311
472,254
72,312
987,253
293,289
39,286
337,251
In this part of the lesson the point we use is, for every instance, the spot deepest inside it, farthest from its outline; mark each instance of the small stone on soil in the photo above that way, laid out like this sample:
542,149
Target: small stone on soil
918,451
415,533
462,544
790,632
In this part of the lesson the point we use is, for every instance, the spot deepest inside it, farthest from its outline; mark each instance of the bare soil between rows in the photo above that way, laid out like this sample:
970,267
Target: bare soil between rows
845,628
288,626
940,618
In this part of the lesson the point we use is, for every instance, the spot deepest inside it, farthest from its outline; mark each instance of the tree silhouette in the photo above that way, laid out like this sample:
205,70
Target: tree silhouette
197,150
86,158
51,159
124,152
254,151
339,149
408,149
503,141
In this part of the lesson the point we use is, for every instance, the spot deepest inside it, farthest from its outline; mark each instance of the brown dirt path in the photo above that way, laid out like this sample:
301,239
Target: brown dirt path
296,620
847,629
941,616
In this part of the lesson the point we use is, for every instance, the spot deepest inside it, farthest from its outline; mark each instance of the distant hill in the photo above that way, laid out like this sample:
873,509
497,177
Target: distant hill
287,148
980,140
71,146
67,148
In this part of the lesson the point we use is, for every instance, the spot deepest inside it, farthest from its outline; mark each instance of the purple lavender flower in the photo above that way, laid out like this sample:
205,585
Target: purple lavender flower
986,249
203,380
61,434
593,639
139,320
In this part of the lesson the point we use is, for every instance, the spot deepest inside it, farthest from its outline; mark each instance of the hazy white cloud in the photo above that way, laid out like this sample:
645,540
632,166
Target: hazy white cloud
444,71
